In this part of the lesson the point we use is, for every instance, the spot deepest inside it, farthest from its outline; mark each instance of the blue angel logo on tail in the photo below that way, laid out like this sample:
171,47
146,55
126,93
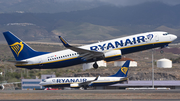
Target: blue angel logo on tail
124,70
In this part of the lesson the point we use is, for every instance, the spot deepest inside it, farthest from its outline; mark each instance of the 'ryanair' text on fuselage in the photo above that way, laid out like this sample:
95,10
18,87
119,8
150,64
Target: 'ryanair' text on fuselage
121,43
69,80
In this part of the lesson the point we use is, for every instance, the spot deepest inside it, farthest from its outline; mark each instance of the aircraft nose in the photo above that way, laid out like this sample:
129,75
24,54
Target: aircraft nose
40,83
173,37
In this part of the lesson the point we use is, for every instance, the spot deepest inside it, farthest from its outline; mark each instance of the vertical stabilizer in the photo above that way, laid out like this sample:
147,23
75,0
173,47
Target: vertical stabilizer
123,71
20,49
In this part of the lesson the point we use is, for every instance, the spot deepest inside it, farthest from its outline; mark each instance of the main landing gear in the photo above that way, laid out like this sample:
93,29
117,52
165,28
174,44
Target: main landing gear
95,65
83,88
161,51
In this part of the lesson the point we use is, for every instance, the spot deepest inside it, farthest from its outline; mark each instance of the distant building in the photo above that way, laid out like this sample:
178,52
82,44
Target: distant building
1,73
31,84
120,62
164,63
90,65
172,84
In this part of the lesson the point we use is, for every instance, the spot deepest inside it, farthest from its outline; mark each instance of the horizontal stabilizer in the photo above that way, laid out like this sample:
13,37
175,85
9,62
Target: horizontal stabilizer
18,62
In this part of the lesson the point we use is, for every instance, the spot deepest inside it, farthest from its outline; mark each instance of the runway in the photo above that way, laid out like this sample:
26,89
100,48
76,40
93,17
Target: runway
92,95
101,100
91,91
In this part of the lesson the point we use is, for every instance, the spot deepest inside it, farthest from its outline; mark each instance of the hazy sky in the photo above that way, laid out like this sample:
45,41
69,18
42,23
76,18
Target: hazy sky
133,2
115,2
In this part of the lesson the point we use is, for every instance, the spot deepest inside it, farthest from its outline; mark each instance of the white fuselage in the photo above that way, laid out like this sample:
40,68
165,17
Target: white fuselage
67,81
127,45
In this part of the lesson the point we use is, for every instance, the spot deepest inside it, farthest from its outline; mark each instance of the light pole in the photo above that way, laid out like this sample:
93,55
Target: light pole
152,69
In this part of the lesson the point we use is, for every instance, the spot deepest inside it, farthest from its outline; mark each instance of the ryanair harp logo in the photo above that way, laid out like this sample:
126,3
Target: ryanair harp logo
124,69
17,47
150,36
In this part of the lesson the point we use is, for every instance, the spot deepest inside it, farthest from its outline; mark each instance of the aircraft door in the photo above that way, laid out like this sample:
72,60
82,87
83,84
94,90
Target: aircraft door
157,37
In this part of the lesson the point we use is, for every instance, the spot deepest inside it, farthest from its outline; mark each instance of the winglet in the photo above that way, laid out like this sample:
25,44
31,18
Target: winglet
65,43
96,78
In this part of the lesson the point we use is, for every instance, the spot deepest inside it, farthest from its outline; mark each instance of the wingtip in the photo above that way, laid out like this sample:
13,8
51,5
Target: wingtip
97,77
65,43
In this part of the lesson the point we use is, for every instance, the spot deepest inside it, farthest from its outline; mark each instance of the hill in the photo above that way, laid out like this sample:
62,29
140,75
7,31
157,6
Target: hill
100,23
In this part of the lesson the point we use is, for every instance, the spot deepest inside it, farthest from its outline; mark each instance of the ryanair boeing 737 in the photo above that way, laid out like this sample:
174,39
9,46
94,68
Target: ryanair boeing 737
84,82
109,50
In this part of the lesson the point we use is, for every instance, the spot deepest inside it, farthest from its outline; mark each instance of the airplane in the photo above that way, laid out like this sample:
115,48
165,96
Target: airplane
3,85
85,82
110,50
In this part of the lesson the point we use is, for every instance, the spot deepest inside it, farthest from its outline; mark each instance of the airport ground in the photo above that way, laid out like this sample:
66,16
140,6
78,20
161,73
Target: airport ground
132,95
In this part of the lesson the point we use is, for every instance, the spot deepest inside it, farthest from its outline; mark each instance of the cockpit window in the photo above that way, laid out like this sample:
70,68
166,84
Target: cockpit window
165,33
43,80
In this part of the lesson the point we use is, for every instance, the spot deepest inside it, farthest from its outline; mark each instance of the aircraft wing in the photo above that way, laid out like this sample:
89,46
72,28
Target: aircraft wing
2,85
84,53
88,82
84,84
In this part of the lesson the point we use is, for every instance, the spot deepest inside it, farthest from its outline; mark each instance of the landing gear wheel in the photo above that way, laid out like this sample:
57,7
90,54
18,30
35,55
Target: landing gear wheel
85,88
95,65
161,51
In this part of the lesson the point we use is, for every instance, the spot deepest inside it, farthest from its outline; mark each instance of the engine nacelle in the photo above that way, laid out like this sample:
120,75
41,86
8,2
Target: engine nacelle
112,55
74,85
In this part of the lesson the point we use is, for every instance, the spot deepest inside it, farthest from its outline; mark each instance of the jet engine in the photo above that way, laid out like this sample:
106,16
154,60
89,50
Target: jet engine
74,85
112,55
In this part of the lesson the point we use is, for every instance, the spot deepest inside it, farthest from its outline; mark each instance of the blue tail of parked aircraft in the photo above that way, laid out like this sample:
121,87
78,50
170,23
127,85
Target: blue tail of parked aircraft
123,71
20,49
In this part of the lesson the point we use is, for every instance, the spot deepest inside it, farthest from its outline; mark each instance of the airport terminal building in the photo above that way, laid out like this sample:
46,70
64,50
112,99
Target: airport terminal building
33,84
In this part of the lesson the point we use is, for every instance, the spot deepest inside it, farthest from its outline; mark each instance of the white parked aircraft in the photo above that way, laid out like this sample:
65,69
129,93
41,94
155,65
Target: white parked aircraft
109,50
76,82
3,85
